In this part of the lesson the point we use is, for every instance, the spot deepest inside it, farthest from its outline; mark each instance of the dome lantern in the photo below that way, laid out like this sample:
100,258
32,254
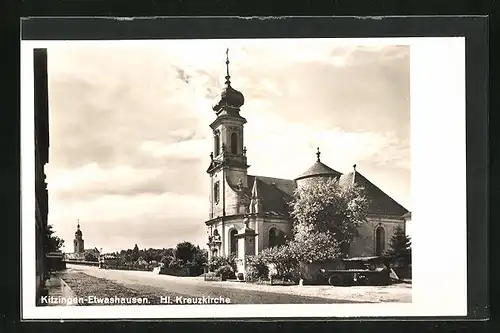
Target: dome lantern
230,97
318,169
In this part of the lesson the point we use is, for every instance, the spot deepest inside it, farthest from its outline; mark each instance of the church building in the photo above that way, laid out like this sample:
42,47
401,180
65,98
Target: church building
249,213
78,243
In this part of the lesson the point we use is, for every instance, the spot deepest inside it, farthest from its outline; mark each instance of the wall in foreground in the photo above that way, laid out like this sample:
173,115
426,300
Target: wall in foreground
41,158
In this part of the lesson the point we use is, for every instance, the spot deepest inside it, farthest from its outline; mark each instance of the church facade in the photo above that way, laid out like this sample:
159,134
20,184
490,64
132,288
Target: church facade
249,213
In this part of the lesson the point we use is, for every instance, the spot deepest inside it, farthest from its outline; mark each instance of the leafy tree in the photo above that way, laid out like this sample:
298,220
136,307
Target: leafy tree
326,209
256,267
89,256
135,253
281,260
185,251
219,261
52,243
399,247
310,245
200,259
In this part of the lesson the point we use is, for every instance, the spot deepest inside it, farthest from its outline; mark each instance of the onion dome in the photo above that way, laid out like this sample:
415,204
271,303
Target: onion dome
318,169
230,97
78,232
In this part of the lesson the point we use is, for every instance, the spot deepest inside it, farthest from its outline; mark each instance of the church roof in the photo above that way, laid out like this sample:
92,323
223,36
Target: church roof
318,169
380,202
274,194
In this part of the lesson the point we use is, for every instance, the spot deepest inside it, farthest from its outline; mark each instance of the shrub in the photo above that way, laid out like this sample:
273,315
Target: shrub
225,272
256,268
281,259
219,261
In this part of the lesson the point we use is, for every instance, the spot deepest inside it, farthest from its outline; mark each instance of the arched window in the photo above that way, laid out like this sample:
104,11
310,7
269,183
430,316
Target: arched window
379,241
214,253
234,143
276,237
216,145
272,237
233,242
216,192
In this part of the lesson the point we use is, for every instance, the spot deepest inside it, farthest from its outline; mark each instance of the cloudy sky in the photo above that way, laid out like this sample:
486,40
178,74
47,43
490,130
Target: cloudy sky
130,135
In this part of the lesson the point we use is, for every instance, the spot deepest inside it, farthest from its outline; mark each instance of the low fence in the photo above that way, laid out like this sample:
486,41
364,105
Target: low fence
82,262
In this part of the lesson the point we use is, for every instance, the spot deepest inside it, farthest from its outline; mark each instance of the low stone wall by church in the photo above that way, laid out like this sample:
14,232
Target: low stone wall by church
174,271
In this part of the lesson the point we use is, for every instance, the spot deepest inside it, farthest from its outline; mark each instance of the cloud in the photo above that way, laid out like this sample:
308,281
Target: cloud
286,149
185,149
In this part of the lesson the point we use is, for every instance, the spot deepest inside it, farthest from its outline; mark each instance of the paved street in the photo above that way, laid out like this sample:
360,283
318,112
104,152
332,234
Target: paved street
165,285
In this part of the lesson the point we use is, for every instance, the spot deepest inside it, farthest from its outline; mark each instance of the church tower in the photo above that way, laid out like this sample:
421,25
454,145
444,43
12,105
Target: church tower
78,243
228,162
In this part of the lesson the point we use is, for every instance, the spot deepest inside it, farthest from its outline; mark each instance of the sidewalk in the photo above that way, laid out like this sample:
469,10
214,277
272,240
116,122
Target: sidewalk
57,288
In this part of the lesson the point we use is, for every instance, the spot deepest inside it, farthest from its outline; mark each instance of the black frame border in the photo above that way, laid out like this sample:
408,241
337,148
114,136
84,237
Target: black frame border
474,28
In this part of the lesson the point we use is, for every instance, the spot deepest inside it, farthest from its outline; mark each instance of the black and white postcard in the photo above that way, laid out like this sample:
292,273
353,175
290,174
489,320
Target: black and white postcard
263,177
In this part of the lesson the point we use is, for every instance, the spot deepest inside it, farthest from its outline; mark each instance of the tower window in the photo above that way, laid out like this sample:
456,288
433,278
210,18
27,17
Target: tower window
216,145
379,241
216,192
234,143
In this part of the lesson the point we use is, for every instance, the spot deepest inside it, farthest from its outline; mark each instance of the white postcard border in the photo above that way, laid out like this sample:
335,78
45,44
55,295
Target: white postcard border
438,185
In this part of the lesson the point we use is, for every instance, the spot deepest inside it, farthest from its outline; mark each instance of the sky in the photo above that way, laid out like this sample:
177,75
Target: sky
130,137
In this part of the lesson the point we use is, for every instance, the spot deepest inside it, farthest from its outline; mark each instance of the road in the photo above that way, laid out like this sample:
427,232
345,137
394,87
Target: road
237,292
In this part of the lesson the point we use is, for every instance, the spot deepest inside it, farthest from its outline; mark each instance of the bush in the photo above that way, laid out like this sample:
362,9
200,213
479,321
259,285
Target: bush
220,261
256,268
282,261
225,272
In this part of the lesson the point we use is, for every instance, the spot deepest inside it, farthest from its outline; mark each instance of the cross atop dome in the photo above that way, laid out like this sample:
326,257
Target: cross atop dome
318,154
230,98
228,77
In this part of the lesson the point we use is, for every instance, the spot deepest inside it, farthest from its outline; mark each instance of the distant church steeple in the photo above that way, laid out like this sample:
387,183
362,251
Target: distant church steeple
78,242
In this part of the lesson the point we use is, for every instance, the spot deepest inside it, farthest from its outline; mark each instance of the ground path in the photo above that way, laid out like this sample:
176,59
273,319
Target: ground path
242,293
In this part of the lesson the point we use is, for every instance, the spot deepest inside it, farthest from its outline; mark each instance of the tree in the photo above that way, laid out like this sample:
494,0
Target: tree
89,256
399,246
185,251
200,257
135,253
281,259
310,245
323,210
52,243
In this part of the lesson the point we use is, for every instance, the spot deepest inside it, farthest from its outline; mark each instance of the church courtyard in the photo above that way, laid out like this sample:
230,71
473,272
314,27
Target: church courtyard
85,280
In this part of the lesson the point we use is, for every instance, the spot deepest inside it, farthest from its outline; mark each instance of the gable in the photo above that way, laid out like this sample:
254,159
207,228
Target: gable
380,202
274,194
